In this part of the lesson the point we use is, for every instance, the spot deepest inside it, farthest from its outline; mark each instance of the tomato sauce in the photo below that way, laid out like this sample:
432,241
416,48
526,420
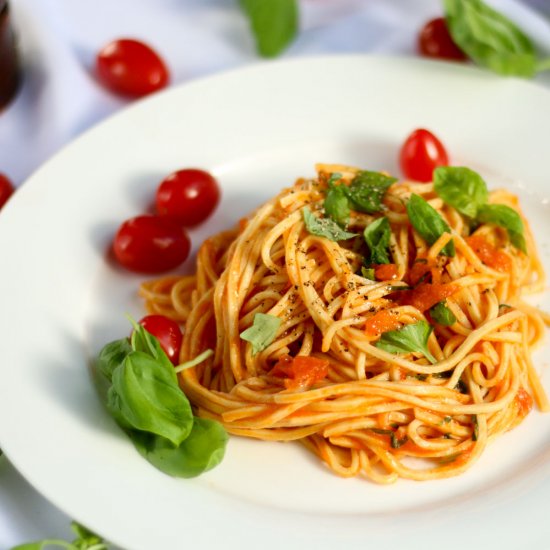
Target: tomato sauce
524,402
491,256
300,371
385,272
381,322
425,296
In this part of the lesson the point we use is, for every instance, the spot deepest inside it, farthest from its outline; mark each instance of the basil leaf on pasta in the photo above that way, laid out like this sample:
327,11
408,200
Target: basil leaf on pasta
324,227
428,222
337,205
461,188
489,38
410,338
367,190
442,314
507,218
262,332
377,236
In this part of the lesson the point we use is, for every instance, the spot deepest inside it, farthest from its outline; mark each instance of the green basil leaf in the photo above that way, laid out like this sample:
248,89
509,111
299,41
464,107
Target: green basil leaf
202,450
442,314
146,397
262,332
490,38
428,223
143,341
368,273
367,190
337,205
324,227
112,356
86,539
377,236
334,177
461,188
410,338
507,218
274,24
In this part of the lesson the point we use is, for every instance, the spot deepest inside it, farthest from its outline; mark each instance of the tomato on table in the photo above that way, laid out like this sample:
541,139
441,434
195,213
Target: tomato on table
150,244
6,189
434,40
421,153
131,68
167,332
188,196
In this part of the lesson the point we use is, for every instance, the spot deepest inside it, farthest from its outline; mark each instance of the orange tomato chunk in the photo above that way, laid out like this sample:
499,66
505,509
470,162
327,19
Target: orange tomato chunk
489,255
301,371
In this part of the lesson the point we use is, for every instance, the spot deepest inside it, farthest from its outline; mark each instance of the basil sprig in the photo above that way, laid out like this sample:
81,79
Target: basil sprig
428,222
491,39
274,24
410,338
85,540
262,332
466,191
377,236
146,401
324,227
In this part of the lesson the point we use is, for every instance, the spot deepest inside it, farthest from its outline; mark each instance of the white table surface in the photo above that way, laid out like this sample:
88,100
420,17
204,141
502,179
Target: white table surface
60,99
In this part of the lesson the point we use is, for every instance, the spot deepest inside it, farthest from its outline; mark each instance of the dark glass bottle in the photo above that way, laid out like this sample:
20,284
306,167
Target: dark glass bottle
9,63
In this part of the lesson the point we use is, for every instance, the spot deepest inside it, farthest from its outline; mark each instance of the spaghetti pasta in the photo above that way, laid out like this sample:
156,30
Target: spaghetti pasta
329,377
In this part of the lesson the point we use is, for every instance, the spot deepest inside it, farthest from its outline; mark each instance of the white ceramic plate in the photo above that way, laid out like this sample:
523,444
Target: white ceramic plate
257,129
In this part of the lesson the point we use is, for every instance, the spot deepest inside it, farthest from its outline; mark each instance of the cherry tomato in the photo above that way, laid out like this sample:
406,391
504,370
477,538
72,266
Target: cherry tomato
188,196
167,332
434,40
6,189
421,154
150,244
131,68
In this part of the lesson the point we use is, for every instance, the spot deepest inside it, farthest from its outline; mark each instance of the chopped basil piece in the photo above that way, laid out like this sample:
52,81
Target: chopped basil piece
410,338
324,227
442,314
368,273
377,236
262,332
367,190
428,222
507,218
337,205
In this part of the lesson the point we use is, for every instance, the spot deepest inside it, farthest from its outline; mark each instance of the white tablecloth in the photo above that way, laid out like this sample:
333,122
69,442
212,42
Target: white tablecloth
60,99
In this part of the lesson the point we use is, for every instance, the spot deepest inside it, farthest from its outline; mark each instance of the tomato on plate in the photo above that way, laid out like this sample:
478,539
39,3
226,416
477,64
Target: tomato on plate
6,189
167,332
188,196
421,154
435,41
150,244
131,68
